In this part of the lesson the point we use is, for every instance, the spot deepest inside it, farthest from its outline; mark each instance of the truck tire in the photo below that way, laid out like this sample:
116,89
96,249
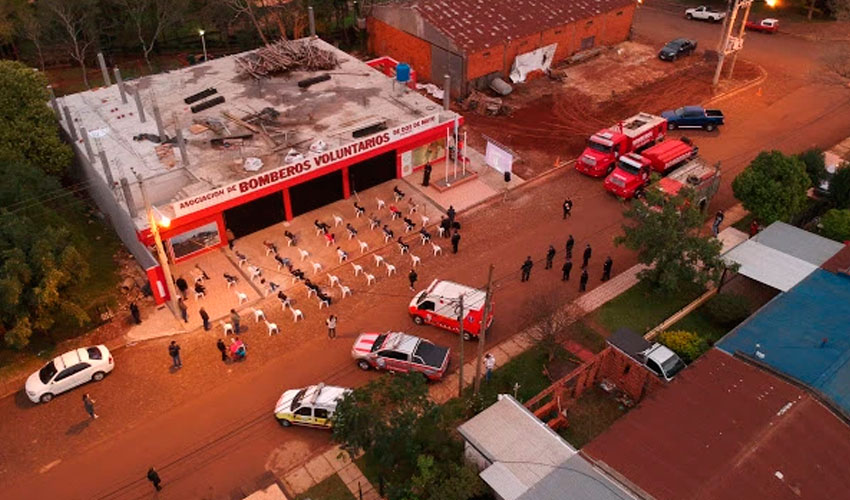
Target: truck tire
364,365
610,169
467,336
418,320
709,127
689,16
284,422
671,126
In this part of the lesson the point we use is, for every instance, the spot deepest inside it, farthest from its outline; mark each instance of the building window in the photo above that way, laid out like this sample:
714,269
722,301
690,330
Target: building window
626,369
620,13
486,54
558,32
587,43
195,240
589,22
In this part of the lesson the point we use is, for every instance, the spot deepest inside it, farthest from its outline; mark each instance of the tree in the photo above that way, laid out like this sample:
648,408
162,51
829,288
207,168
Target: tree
248,8
839,187
728,309
28,130
38,266
815,164
545,315
688,345
403,433
773,187
840,9
451,481
835,225
149,19
665,232
76,19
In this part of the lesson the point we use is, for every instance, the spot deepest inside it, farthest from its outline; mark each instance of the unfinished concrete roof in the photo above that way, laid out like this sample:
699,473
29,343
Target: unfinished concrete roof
478,24
355,97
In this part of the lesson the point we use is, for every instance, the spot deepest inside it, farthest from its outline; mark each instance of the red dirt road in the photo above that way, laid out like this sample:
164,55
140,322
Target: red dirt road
209,428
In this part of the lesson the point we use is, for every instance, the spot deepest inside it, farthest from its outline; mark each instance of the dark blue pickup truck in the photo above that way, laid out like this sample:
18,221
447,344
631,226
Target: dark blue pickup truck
693,117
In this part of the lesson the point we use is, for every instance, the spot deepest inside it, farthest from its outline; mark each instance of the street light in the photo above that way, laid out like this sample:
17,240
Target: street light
203,43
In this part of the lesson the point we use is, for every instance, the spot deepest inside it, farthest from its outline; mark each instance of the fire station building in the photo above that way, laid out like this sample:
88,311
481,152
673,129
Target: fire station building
257,153
475,41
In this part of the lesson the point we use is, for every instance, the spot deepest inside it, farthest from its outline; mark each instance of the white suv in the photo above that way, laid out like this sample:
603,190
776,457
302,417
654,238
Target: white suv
68,371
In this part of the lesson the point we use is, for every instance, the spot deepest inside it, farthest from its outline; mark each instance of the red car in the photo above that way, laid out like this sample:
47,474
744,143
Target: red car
400,352
768,25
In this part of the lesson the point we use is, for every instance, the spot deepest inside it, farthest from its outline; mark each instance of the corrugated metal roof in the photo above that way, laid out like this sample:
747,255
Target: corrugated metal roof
576,479
794,241
478,24
769,266
726,430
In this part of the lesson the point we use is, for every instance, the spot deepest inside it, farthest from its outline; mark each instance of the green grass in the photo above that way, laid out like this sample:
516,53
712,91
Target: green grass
590,416
589,338
641,308
525,370
699,322
331,488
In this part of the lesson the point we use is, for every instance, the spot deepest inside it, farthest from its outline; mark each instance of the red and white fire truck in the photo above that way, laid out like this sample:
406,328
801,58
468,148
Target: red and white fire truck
633,170
438,305
604,147
698,175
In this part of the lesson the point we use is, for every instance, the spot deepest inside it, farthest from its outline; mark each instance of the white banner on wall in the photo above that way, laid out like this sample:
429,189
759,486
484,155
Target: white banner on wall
498,158
530,61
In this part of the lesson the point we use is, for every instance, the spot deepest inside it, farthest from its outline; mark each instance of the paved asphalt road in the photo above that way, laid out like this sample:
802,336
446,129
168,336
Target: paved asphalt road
210,430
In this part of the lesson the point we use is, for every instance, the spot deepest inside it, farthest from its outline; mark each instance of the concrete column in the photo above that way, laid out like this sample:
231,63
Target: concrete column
70,122
128,198
139,107
54,104
157,117
447,91
102,62
106,170
312,17
121,88
87,142
181,142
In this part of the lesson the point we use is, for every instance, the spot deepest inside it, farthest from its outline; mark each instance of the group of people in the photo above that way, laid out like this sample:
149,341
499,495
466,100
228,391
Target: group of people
566,269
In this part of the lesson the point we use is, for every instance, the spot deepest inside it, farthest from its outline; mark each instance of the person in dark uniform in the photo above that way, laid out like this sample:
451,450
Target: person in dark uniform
526,269
451,214
568,266
550,255
606,269
153,477
568,207
570,244
446,225
182,287
134,312
587,253
426,176
582,286
412,277
455,241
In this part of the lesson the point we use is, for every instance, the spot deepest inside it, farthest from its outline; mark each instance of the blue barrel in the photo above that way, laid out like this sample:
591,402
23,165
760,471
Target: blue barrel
402,72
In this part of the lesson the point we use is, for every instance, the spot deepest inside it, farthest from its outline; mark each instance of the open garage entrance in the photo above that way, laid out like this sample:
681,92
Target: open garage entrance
255,215
371,172
316,193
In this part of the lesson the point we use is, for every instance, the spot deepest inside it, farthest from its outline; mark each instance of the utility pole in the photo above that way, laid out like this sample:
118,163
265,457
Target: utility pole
460,372
482,336
730,45
160,250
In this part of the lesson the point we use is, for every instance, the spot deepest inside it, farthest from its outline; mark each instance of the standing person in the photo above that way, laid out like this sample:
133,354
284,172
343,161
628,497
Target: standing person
183,287
582,285
455,241
568,207
235,319
231,238
550,255
718,219
426,176
451,213
331,322
206,318
446,226
153,477
223,349
568,267
606,269
526,268
754,228
570,244
489,364
88,404
412,277
586,258
184,309
174,352
134,312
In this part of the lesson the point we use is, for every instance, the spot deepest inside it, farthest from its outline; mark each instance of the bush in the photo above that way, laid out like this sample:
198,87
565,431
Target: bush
835,225
815,164
839,187
688,345
727,309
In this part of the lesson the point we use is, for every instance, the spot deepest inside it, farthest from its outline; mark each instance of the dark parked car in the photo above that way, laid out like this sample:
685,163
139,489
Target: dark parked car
693,117
677,48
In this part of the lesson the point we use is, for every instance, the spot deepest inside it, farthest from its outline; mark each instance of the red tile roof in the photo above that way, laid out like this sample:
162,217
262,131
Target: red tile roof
727,430
478,24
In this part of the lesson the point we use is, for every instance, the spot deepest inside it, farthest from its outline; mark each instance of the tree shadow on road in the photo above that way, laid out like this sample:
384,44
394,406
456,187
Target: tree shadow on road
78,427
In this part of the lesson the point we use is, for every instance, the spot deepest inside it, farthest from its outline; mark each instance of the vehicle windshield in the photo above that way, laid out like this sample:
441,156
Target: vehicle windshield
47,373
378,342
94,353
599,147
679,112
629,168
296,402
672,366
674,45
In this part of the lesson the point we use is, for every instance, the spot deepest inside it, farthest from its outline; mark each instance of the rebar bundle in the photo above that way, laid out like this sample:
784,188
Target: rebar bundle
284,56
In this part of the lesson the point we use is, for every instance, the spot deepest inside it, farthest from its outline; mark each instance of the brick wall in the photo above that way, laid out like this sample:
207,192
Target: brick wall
385,40
617,26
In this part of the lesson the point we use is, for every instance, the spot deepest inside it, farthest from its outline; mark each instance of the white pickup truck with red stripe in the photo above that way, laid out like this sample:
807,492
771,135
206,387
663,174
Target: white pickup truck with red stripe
400,352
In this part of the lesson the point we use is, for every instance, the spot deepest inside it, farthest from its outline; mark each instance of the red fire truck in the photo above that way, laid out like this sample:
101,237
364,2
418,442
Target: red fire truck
604,147
633,170
698,175
438,305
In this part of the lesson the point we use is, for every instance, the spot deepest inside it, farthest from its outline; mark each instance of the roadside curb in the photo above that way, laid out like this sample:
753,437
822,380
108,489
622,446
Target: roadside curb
745,86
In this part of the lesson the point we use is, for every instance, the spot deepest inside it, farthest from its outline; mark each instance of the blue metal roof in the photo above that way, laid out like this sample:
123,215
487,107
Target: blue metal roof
805,334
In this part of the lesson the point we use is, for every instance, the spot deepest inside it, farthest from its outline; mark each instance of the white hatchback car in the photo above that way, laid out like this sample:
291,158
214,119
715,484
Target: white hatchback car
68,371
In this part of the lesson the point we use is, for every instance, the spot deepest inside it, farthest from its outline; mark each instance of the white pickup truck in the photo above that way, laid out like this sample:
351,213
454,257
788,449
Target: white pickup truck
705,14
